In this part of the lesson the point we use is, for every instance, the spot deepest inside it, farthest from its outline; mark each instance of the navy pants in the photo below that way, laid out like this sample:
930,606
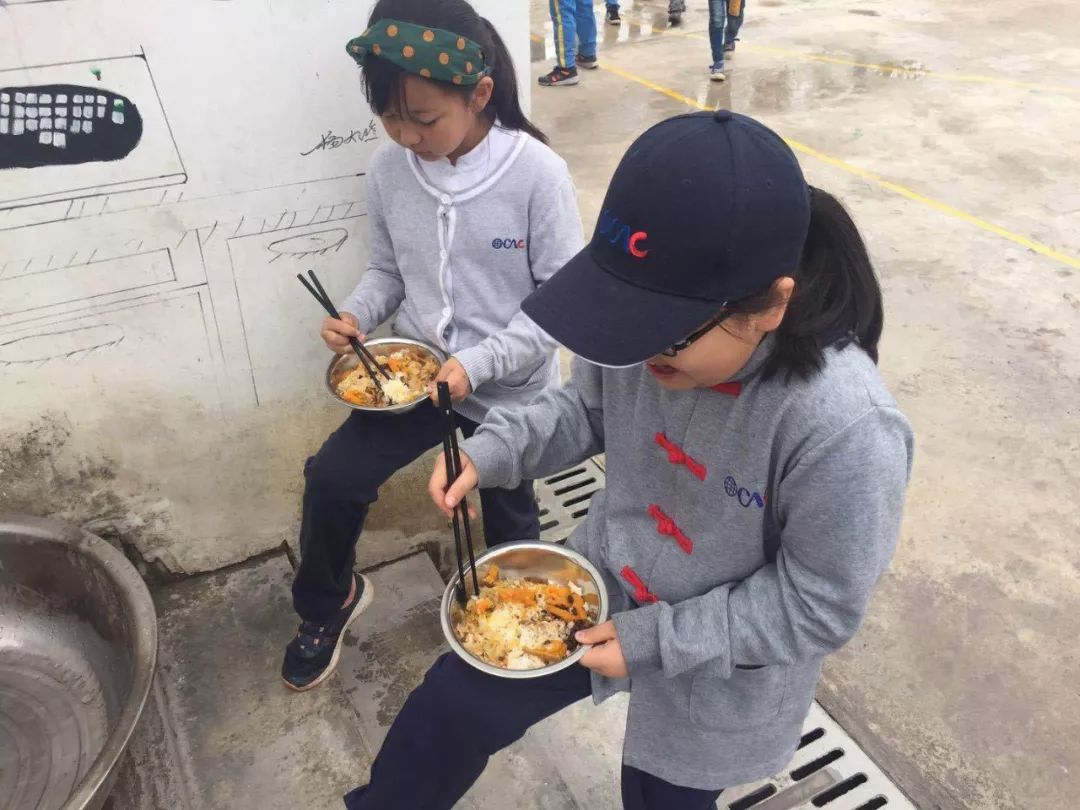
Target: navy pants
458,717
342,480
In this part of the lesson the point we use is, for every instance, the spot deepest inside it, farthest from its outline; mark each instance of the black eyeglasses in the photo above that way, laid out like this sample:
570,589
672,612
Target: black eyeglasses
695,336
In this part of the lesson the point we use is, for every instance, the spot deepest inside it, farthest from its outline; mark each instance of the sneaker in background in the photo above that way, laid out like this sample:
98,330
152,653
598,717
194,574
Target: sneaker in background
587,62
560,77
716,72
613,17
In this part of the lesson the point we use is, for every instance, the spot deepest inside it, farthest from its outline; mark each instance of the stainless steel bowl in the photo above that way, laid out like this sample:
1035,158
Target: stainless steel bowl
524,559
345,362
78,645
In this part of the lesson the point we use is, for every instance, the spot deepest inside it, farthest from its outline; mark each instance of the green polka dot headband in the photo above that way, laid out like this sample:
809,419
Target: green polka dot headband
422,51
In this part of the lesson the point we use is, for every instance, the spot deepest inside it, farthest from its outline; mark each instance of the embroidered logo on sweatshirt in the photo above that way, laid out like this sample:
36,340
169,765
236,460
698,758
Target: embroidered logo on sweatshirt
508,244
622,235
746,497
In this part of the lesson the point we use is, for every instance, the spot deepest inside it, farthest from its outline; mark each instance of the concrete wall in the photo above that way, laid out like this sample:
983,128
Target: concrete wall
160,371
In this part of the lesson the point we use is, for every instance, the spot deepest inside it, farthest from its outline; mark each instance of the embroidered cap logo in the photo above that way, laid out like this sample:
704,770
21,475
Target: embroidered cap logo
622,235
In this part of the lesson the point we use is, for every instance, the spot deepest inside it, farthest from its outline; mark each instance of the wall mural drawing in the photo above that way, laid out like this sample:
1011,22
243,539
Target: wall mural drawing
310,244
64,124
159,190
62,344
36,286
282,358
103,116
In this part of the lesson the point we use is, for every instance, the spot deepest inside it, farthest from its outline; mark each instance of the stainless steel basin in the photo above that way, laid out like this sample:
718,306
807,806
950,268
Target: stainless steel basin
78,644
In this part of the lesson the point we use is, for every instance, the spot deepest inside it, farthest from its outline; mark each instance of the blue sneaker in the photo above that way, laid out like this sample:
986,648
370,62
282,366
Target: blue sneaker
716,72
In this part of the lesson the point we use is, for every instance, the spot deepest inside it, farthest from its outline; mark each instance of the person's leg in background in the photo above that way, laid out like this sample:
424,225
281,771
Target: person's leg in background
718,10
735,11
509,514
611,14
340,482
643,791
586,35
564,19
676,8
451,724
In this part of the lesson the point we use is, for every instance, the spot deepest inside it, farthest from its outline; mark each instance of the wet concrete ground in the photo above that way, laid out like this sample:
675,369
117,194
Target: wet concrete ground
951,130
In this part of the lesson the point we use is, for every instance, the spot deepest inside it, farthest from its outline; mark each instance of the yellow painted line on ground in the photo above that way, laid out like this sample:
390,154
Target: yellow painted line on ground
920,73
967,78
896,188
633,77
536,38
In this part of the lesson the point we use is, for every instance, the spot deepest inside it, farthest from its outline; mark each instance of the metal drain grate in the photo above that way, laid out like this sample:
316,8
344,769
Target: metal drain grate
828,771
564,499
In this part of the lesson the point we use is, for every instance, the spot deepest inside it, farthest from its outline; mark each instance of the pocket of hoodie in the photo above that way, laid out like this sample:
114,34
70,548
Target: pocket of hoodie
525,378
748,699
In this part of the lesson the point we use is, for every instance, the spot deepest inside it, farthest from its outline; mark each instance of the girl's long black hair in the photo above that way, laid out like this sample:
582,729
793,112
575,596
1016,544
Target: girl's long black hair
382,79
837,298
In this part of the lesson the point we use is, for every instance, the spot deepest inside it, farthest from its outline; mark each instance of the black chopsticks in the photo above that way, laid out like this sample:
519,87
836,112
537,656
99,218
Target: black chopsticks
367,358
452,457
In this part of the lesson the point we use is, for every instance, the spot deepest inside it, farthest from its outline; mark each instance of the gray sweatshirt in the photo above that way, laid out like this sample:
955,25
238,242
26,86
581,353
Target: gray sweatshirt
740,536
457,265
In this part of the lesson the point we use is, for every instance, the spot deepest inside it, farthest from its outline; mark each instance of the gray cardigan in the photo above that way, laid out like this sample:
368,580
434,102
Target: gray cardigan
456,267
740,537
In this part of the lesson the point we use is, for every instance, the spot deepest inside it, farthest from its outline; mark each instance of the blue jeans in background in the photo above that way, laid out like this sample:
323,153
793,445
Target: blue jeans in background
725,20
575,24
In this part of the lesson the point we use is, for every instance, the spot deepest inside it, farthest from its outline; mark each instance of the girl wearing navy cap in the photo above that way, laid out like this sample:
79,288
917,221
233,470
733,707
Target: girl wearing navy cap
726,320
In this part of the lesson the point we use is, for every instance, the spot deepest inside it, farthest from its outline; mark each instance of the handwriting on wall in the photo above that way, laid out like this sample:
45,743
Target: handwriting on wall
331,140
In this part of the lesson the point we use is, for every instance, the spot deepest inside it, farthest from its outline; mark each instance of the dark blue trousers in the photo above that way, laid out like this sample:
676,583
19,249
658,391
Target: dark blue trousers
440,742
342,480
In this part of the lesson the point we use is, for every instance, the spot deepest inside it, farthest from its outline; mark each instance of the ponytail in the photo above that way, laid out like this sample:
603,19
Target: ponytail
505,104
836,300
382,79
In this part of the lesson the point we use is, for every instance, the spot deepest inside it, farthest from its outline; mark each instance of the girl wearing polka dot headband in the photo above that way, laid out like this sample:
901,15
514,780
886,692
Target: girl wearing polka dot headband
468,212
448,43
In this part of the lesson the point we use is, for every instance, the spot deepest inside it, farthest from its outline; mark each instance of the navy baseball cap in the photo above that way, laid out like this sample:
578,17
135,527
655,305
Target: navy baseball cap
704,209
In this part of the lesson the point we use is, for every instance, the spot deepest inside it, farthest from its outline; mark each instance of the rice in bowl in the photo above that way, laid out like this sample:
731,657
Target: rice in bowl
523,623
412,370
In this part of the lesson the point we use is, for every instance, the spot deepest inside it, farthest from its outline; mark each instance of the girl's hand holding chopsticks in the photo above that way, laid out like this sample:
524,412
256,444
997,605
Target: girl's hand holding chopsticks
447,499
454,375
336,333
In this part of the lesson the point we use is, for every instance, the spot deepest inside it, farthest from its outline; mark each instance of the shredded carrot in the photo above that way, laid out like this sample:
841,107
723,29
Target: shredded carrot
482,605
561,613
521,596
577,606
491,575
557,595
554,650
